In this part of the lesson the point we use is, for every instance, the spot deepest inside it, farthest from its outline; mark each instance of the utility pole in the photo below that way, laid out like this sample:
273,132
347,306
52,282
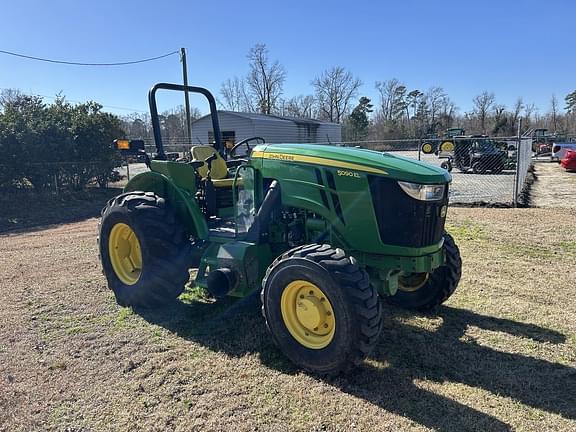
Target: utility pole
186,96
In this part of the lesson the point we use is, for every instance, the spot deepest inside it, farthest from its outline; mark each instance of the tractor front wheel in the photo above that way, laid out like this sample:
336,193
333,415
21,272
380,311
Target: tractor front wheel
425,291
478,168
446,165
320,308
144,251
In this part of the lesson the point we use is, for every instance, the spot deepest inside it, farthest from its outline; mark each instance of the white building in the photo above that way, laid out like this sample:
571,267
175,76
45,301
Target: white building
236,126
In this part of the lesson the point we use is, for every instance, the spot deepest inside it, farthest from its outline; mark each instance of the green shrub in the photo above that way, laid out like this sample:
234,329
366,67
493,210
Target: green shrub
66,143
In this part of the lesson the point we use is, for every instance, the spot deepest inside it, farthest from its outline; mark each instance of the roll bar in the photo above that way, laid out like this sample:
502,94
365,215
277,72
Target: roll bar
160,154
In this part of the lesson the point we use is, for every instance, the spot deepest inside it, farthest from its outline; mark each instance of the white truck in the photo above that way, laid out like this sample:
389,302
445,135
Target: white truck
560,149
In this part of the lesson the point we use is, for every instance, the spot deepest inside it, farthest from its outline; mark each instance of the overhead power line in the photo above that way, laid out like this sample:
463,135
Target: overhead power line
124,63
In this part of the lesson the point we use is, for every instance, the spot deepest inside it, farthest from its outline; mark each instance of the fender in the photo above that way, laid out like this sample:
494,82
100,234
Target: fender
182,199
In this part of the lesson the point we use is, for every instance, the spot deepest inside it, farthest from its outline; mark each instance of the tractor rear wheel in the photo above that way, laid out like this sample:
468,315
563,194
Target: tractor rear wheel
144,251
320,308
425,291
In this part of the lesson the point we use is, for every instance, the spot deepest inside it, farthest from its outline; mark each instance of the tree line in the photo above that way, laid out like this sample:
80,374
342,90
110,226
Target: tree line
335,96
400,112
172,124
55,146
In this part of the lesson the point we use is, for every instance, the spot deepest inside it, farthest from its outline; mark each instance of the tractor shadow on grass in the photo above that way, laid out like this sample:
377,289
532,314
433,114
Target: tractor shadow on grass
29,211
447,354
404,356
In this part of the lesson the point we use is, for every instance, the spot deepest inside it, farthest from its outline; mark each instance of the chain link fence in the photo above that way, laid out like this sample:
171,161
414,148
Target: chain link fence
524,171
57,176
485,170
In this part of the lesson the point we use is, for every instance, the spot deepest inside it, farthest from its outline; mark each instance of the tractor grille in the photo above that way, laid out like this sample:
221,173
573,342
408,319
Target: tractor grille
403,220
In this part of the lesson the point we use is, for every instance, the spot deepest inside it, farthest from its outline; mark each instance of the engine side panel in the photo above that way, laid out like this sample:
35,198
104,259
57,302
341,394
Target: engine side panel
340,195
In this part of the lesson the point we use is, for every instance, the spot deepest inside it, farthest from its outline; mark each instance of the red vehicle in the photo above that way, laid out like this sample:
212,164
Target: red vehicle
569,161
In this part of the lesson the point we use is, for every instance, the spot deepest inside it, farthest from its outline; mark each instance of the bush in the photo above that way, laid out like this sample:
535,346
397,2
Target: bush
42,144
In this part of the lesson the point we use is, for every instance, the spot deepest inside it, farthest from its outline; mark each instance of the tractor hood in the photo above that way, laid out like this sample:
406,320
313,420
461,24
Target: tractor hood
355,160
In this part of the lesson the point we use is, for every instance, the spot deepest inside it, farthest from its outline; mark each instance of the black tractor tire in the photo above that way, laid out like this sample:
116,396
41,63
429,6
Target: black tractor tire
439,286
428,148
357,309
446,165
462,168
165,249
478,168
498,169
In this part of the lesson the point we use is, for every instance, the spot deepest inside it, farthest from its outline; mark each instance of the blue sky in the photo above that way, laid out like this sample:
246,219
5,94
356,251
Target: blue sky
512,48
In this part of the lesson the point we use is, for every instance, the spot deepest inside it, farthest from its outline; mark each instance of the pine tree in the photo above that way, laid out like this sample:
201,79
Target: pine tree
358,119
571,102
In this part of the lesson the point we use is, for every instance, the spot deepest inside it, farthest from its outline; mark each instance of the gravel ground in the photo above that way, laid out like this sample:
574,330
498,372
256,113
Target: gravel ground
500,356
555,187
469,188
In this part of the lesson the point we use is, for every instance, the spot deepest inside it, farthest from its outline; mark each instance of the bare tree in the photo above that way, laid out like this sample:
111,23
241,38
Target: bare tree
235,96
393,102
438,103
137,125
516,114
265,79
500,118
448,111
482,105
8,95
530,111
554,112
300,106
335,89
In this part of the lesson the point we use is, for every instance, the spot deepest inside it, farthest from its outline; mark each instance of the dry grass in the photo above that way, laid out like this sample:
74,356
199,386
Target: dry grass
500,355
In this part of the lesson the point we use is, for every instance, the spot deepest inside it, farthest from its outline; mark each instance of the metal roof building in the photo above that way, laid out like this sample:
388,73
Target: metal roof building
236,126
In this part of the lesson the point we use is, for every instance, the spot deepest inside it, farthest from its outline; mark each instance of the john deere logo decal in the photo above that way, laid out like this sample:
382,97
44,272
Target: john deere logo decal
321,161
280,156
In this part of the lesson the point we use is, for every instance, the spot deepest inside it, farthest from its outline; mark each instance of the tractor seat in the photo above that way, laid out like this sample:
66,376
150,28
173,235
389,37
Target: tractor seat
219,172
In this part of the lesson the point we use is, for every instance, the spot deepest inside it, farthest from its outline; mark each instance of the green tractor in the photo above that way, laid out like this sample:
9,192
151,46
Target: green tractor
476,153
322,232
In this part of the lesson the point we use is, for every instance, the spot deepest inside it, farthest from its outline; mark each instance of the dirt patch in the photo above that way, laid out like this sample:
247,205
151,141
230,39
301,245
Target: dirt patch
554,188
500,356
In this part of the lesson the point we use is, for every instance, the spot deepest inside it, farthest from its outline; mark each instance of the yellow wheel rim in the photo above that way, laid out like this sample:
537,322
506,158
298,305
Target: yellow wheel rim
125,253
427,148
308,314
447,146
412,282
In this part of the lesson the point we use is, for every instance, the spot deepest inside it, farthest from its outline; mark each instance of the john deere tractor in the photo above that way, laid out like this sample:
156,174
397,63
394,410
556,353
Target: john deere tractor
322,232
477,153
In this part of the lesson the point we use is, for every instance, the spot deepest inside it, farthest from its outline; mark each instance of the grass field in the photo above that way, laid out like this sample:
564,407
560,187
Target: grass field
500,355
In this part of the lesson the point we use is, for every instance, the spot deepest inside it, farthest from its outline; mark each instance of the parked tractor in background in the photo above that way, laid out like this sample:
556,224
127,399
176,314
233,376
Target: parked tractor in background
322,232
475,153
541,141
554,144
442,146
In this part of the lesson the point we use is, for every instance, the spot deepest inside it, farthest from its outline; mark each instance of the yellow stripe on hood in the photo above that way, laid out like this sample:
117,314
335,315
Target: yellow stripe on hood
316,161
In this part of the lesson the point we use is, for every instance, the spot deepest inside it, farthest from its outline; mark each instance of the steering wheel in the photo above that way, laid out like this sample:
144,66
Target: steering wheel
259,140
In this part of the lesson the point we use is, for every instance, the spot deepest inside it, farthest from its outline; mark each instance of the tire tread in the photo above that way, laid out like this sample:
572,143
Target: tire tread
364,298
167,244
